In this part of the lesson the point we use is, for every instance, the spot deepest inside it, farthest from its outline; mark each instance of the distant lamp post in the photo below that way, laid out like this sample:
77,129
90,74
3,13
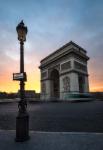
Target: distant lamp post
22,120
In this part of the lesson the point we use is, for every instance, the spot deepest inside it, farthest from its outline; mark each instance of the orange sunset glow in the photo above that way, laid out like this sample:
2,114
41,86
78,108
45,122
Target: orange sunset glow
33,80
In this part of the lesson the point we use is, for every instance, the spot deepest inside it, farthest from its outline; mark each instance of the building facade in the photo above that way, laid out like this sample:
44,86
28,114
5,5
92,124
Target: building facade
64,72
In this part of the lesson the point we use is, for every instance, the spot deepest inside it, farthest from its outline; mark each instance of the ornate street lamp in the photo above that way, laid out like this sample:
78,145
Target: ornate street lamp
22,120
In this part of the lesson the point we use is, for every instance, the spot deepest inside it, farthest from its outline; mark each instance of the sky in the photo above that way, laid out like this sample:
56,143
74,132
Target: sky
51,24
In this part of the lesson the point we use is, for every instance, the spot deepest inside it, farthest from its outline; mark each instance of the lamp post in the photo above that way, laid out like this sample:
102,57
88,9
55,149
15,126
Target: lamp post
22,119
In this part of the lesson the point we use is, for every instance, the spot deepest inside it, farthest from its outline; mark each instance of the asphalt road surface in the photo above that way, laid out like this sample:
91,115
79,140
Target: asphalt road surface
79,116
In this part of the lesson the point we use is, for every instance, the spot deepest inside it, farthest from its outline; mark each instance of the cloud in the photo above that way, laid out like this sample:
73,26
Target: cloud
50,25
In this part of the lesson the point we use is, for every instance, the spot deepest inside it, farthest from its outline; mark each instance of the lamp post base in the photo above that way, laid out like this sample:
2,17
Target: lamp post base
22,127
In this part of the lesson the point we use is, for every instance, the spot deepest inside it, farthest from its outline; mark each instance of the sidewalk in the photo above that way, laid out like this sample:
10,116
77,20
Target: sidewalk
52,141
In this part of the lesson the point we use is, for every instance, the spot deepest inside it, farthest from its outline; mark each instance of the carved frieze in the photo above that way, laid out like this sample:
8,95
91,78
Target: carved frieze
66,66
80,66
66,84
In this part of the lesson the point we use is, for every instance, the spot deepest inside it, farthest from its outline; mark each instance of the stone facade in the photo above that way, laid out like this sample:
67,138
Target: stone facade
64,72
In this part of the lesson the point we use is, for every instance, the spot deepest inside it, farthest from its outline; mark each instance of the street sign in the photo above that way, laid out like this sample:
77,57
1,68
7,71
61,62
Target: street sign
20,76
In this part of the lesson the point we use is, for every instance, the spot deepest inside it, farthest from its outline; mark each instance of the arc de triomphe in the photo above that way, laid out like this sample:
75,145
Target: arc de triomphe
64,72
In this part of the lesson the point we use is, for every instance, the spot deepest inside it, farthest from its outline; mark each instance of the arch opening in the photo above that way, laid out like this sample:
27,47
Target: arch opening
55,84
81,83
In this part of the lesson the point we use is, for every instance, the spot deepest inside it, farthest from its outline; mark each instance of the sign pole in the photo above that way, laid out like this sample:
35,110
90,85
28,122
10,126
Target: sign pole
22,84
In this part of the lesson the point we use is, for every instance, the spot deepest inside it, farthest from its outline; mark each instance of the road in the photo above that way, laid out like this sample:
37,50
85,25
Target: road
79,117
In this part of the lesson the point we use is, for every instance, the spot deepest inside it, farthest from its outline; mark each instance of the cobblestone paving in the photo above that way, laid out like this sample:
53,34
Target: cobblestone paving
81,116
